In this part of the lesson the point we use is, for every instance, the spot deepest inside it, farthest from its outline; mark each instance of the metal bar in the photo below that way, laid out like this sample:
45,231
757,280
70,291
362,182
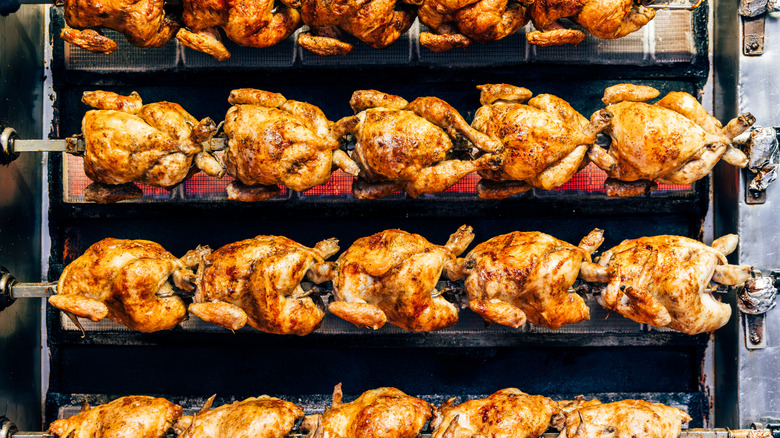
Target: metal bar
33,290
76,145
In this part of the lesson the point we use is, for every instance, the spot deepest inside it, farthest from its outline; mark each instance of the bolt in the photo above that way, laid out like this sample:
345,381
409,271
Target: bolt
754,45
755,339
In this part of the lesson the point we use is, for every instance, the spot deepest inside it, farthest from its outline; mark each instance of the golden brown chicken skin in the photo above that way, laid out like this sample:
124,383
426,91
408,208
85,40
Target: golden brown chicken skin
258,281
377,413
508,413
527,275
258,417
126,417
625,419
128,281
402,145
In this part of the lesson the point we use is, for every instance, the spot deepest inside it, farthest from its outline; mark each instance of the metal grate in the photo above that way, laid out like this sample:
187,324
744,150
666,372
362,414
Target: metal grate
127,57
75,181
279,55
400,52
203,187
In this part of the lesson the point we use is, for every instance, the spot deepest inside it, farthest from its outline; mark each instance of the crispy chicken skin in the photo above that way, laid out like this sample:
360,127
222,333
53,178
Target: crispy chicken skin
545,141
253,23
402,145
128,281
508,413
126,417
257,281
273,140
158,144
456,23
143,22
527,275
377,413
258,417
607,19
624,419
673,141
662,281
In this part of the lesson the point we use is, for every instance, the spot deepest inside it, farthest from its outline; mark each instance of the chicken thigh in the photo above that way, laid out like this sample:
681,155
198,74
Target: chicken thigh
458,23
527,275
545,142
143,22
134,416
391,277
663,281
378,413
402,145
128,281
257,417
625,419
606,19
377,23
252,23
508,413
273,140
673,141
158,144
258,281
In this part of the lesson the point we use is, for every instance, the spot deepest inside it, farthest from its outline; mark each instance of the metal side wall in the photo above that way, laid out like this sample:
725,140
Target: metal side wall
21,79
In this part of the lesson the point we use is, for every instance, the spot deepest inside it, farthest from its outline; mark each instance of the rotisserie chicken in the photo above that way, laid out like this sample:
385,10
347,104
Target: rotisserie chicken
402,145
377,23
508,413
381,412
663,281
625,419
129,281
607,19
133,416
458,23
158,144
527,275
673,141
143,22
391,277
545,141
258,281
257,417
259,24
273,140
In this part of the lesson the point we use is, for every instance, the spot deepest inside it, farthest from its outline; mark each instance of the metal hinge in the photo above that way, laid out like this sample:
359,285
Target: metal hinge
763,155
754,14
754,299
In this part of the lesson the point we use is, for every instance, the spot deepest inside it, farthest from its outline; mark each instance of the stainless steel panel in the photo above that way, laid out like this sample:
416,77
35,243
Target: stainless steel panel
21,78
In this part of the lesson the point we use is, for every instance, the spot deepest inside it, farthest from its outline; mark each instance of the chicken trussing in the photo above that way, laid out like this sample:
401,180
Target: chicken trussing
159,144
132,282
392,276
527,275
403,145
258,417
258,281
133,416
673,141
623,419
382,412
545,141
508,413
272,140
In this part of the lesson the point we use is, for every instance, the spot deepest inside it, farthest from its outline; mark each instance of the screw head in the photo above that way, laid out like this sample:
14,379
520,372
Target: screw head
754,45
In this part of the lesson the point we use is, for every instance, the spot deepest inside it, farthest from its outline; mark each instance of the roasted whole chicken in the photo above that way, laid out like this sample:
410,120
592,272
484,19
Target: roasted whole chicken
606,19
391,277
545,141
527,275
273,140
458,23
143,22
158,144
258,417
673,141
258,281
381,412
377,23
259,23
663,281
402,145
132,282
133,416
624,419
508,413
